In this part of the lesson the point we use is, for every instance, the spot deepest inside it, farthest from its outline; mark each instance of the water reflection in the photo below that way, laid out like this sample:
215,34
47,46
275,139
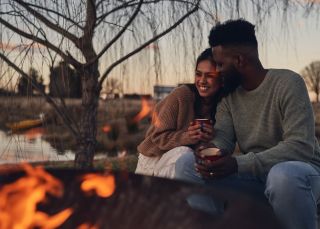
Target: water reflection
30,147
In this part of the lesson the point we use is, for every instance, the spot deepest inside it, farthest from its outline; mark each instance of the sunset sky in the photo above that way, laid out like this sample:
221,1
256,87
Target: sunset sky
293,43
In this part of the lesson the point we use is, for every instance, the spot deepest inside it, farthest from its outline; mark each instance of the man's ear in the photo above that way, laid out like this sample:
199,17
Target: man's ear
239,61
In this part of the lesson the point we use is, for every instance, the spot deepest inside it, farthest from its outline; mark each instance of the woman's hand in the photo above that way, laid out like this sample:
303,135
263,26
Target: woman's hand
194,132
207,133
200,133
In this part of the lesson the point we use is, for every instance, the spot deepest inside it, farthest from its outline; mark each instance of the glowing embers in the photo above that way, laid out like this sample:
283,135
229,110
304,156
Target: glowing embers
19,200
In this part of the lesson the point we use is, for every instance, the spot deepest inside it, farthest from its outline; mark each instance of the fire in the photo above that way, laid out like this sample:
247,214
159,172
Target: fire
18,201
103,185
145,110
87,226
106,128
45,221
34,133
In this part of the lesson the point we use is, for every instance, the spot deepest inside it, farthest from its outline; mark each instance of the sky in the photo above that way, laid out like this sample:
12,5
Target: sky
293,47
287,44
292,44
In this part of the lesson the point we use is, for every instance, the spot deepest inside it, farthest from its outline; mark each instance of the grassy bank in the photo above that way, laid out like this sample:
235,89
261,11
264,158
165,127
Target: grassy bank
112,113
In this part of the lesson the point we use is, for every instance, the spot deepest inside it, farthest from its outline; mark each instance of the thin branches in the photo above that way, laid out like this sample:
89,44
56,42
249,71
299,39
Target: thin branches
48,10
134,15
41,91
48,23
67,57
109,69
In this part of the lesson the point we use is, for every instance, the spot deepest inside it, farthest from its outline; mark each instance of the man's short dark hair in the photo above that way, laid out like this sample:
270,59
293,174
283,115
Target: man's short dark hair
233,32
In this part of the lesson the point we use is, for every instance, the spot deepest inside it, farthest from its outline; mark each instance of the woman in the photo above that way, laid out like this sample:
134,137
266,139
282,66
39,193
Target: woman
173,132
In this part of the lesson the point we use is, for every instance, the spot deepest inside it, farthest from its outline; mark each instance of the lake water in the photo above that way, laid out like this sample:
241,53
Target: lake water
30,147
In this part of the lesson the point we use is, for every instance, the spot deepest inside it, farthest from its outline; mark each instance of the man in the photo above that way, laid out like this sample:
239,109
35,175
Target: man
271,118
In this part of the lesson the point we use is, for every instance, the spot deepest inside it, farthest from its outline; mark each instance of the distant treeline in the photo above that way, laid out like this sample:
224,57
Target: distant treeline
64,82
4,92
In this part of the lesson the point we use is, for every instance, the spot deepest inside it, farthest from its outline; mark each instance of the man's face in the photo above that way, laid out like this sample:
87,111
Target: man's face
224,59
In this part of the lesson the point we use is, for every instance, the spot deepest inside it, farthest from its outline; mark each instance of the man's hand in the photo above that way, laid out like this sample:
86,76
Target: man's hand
222,167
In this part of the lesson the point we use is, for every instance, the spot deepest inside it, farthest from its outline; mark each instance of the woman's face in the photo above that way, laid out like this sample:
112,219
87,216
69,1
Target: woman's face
206,79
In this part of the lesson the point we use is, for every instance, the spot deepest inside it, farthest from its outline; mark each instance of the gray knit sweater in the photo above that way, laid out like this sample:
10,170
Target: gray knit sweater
272,123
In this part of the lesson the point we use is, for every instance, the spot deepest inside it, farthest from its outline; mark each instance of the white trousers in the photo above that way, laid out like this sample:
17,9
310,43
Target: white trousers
162,166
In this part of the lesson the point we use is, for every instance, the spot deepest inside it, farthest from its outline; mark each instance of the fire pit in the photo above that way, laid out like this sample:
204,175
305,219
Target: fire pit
98,199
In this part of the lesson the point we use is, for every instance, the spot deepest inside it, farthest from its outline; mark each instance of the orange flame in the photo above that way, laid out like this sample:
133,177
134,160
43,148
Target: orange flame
18,201
87,226
106,128
34,133
146,108
103,185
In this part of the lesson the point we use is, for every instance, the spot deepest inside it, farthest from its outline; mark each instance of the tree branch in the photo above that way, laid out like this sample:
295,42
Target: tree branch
48,23
57,13
130,4
134,15
68,58
90,20
103,16
109,69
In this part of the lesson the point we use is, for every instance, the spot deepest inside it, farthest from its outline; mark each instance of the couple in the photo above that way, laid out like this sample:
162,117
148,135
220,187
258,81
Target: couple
269,115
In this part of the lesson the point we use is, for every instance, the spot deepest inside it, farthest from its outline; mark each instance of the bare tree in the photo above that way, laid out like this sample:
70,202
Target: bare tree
66,29
82,32
311,75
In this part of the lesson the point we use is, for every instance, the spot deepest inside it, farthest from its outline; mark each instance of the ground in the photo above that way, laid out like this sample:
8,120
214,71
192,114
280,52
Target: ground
115,113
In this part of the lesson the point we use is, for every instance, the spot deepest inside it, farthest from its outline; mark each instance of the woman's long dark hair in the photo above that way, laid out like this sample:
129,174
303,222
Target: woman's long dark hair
222,92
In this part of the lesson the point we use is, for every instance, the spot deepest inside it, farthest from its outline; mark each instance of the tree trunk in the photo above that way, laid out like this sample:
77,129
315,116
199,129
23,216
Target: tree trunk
88,124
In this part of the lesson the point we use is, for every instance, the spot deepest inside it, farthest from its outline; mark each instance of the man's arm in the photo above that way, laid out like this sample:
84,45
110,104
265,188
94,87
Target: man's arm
224,135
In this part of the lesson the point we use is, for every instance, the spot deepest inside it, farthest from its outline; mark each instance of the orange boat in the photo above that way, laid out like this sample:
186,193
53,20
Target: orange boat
25,124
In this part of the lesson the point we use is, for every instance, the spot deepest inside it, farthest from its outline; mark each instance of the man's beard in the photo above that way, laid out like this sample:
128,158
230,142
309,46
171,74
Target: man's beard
231,80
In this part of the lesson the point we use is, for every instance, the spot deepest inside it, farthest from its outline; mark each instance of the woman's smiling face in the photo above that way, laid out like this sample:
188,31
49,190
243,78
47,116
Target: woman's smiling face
206,79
